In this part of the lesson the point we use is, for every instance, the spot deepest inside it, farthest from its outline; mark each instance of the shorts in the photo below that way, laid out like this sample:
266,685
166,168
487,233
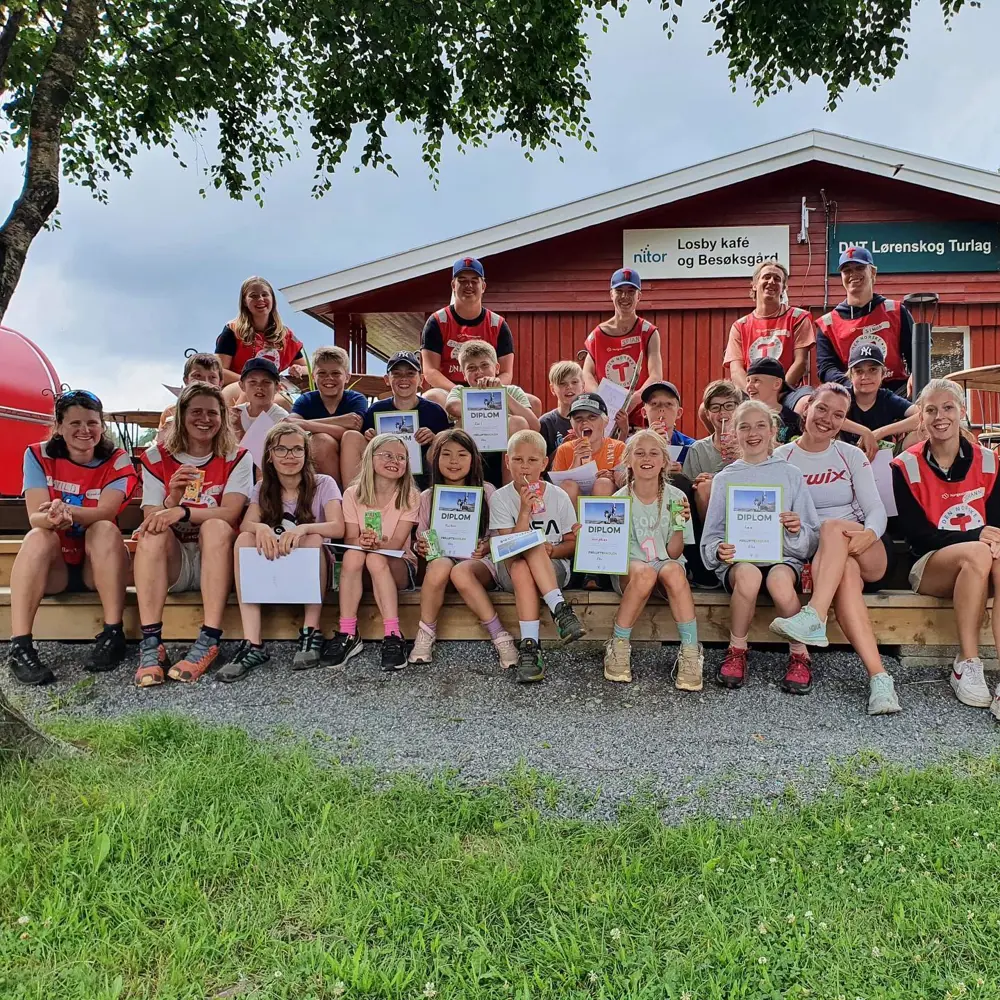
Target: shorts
74,579
917,570
765,570
563,568
189,578
890,566
618,585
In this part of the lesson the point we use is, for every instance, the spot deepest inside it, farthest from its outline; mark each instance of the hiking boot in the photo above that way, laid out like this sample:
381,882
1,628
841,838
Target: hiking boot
247,657
618,660
689,668
109,650
805,627
423,647
882,698
798,677
567,624
393,653
969,684
529,662
733,671
506,649
26,667
340,648
153,662
310,648
203,653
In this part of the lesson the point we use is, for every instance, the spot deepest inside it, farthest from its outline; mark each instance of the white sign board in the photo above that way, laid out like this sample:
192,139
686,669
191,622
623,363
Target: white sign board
712,252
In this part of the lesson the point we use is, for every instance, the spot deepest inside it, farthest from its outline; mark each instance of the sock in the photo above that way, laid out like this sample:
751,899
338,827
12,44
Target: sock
529,630
349,626
427,627
620,632
688,632
738,643
391,626
798,647
553,599
215,634
153,631
112,626
493,626
21,640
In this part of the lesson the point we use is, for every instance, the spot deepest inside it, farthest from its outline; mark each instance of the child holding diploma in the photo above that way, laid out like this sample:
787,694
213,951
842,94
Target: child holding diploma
291,507
756,428
455,461
656,558
380,509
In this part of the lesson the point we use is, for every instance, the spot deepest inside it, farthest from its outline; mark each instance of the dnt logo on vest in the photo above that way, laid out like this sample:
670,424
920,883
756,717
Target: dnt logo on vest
768,346
621,368
960,517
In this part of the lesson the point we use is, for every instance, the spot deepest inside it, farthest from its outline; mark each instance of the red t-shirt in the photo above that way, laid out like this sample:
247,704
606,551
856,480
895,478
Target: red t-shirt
283,354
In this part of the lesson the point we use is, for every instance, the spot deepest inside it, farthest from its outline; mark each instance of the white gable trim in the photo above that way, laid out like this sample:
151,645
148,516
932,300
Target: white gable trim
806,147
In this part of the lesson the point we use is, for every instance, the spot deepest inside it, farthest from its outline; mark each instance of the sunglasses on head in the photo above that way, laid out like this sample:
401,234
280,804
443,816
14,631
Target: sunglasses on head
70,396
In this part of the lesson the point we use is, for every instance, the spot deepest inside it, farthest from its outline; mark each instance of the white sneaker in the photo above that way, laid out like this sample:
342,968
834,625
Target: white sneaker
969,684
423,647
506,650
995,707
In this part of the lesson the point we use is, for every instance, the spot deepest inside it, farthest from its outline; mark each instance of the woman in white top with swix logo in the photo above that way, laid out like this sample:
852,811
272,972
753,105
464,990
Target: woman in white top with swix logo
851,551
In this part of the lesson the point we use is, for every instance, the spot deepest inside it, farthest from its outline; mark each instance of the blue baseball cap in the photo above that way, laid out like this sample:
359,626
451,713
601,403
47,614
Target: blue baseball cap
626,276
856,255
467,264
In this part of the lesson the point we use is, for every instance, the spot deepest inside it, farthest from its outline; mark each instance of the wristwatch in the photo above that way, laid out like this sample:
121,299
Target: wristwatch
187,514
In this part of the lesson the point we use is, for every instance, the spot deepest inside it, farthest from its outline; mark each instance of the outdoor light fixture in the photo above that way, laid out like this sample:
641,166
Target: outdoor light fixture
923,308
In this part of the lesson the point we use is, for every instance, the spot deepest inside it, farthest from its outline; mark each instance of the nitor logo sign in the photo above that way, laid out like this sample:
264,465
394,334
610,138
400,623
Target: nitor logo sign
715,252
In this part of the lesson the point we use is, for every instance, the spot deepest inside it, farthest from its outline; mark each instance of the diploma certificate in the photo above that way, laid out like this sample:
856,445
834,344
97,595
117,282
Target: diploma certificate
752,523
602,543
484,417
403,424
455,514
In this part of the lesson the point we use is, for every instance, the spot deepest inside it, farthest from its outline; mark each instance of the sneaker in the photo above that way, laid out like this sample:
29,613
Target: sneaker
153,662
618,660
689,668
733,671
567,623
506,649
529,662
310,648
798,677
26,667
203,653
423,647
804,627
882,698
247,657
109,650
995,707
340,648
969,684
393,653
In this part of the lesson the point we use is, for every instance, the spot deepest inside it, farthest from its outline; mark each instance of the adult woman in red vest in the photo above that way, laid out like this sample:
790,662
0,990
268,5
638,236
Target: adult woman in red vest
949,507
194,488
464,319
866,317
618,345
75,485
257,332
773,330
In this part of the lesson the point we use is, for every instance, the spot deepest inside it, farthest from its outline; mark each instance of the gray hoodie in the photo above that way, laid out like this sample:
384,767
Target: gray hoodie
798,549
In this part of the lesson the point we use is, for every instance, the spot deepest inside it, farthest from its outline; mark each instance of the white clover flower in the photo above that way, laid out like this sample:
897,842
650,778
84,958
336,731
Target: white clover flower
762,960
970,915
616,934
762,928
876,953
429,991
822,926
980,981
808,914
840,869
868,858
685,996
339,989
592,977
701,897
23,920
790,918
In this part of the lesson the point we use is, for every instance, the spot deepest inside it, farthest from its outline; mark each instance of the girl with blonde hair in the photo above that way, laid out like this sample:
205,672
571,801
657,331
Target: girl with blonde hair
381,507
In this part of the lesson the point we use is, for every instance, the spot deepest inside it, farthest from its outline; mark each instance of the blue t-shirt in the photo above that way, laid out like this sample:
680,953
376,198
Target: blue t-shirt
429,415
34,474
309,406
678,438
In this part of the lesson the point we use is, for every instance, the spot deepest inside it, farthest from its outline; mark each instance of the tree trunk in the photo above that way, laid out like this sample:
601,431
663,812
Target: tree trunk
40,193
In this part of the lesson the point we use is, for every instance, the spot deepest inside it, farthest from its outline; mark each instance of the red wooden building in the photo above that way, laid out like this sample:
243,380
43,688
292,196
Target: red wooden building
932,225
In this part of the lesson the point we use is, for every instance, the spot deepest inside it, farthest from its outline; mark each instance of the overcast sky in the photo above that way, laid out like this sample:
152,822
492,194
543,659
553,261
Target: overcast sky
116,295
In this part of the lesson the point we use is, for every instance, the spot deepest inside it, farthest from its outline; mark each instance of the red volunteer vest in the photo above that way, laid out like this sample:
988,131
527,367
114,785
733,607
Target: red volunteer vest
950,506
79,486
454,334
881,326
615,358
282,355
770,336
162,465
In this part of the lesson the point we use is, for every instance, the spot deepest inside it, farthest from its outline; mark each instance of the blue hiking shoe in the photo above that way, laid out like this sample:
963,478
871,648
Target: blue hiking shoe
882,698
805,627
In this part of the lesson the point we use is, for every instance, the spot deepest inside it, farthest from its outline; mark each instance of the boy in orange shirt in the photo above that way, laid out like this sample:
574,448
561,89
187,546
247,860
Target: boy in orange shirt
588,415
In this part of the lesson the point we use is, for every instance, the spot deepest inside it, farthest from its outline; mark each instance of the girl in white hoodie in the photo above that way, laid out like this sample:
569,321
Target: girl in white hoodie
756,427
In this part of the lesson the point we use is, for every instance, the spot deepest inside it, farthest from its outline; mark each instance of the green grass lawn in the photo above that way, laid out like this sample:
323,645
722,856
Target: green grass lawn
180,862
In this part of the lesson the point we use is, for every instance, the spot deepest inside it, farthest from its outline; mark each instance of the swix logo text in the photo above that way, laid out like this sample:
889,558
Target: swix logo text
824,478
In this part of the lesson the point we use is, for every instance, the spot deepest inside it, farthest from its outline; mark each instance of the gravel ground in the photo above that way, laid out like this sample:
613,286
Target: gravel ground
712,752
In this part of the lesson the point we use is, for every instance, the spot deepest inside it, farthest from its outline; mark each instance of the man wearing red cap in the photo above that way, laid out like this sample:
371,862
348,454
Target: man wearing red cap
465,318
620,345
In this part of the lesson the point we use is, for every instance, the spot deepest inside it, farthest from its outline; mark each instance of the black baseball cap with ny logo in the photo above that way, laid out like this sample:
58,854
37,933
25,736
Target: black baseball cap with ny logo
863,350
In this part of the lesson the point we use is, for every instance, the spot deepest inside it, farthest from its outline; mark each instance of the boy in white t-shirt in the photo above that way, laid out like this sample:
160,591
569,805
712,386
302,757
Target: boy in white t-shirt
259,382
522,505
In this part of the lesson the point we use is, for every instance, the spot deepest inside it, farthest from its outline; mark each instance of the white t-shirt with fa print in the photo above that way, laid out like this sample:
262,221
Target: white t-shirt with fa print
557,518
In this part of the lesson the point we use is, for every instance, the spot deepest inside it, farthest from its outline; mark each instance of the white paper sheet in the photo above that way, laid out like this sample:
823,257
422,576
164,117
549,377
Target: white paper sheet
253,440
675,451
614,396
504,546
585,476
175,389
883,479
290,579
484,417
392,553
455,517
602,543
